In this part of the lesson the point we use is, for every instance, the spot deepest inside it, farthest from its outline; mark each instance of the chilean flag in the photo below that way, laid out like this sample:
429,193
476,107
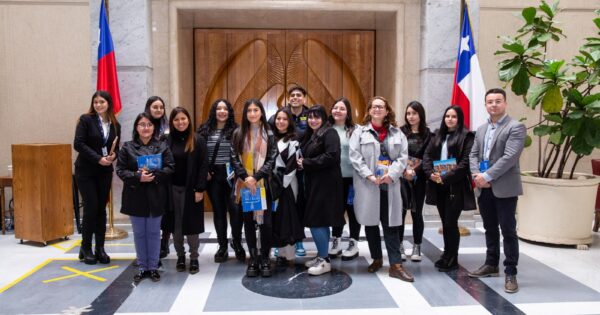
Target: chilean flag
107,66
469,90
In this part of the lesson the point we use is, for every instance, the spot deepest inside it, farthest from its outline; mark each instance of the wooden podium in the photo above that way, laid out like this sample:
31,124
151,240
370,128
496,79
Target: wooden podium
42,191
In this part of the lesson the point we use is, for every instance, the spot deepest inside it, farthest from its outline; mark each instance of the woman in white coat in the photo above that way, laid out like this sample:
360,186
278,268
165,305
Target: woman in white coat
378,153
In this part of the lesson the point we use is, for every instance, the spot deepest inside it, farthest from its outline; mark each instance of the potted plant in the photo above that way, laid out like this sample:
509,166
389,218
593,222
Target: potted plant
558,203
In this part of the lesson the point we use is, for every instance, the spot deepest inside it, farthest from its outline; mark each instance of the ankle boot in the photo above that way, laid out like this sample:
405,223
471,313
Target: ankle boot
240,253
449,264
180,265
101,256
253,263
87,256
265,265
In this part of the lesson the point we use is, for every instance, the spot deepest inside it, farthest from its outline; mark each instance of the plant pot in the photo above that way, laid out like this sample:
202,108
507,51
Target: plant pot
557,211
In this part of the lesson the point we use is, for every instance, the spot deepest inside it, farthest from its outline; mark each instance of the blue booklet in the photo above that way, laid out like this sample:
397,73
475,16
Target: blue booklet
150,162
255,202
444,166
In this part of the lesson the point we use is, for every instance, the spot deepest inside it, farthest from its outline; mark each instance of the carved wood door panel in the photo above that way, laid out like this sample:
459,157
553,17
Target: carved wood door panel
242,64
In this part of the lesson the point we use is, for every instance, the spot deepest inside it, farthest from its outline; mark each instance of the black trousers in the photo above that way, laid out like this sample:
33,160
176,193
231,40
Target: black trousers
449,208
220,196
352,223
500,212
390,234
94,191
418,188
266,231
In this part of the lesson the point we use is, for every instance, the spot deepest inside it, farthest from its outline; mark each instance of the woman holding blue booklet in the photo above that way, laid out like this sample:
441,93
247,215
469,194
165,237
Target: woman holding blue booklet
145,192
253,154
446,166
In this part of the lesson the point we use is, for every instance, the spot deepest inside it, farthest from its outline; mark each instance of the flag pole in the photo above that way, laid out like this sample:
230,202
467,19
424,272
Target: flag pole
112,233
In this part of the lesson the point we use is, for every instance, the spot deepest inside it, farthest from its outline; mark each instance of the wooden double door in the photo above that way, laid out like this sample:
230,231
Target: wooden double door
243,64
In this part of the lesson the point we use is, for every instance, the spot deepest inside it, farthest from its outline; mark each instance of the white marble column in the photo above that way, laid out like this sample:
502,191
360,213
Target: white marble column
130,27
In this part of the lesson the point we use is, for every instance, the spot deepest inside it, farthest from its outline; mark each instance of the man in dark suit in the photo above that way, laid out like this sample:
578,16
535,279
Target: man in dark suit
494,163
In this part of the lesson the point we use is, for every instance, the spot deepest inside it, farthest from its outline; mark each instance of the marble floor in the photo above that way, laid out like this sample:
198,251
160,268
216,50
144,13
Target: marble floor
36,279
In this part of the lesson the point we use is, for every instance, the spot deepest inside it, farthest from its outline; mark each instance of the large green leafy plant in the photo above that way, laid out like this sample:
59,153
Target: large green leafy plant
564,94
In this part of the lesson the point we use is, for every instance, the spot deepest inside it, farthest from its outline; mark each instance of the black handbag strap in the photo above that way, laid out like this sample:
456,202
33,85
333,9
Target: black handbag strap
214,156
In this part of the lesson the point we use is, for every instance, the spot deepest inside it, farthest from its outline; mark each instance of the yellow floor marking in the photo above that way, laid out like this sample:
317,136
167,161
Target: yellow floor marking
73,245
38,267
77,273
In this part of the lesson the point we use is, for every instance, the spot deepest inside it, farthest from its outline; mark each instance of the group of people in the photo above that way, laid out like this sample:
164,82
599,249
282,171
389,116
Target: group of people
314,167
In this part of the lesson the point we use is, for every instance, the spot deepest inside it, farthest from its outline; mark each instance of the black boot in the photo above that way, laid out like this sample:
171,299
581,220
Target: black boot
194,266
253,265
101,256
221,255
87,256
164,247
265,266
180,266
449,264
240,253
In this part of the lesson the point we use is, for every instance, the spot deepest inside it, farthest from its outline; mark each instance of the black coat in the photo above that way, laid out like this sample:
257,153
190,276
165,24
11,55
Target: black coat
144,199
89,141
195,181
323,180
458,181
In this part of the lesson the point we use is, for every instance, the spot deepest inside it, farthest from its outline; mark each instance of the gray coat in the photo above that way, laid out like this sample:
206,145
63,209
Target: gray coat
507,146
364,152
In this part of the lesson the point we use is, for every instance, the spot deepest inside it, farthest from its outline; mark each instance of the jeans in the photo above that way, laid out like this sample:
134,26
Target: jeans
219,193
449,210
418,188
391,235
146,236
192,240
352,223
500,211
321,237
94,193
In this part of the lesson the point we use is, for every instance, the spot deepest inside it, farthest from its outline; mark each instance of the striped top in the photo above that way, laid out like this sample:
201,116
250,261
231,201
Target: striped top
223,155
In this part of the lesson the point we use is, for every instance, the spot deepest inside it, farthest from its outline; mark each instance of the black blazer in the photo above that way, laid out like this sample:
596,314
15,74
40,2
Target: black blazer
89,141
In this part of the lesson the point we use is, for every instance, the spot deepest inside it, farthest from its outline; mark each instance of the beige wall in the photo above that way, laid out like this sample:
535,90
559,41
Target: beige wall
45,72
498,18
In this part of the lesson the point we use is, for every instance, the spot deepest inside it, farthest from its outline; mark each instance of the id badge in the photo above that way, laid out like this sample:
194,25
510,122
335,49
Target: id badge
104,151
484,166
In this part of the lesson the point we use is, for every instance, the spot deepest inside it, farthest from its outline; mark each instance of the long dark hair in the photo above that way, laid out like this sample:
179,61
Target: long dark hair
390,118
315,111
189,141
135,134
443,131
290,132
242,131
210,125
109,111
348,123
160,123
417,107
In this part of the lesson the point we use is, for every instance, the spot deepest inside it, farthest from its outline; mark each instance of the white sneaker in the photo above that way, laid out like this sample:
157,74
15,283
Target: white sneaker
311,262
335,247
402,253
416,253
321,267
352,251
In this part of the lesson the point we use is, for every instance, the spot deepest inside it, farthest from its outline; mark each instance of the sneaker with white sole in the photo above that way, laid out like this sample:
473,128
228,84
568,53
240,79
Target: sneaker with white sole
322,266
402,253
352,251
335,247
416,253
311,262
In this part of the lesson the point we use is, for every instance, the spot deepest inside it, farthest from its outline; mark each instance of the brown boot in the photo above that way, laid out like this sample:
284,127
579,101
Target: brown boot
397,271
375,265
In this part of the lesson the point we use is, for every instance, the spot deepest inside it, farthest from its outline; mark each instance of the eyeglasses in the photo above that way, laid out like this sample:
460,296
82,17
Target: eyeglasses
296,95
378,107
144,125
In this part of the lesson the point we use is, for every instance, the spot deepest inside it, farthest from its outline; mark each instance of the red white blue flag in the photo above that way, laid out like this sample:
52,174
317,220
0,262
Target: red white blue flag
469,90
107,66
